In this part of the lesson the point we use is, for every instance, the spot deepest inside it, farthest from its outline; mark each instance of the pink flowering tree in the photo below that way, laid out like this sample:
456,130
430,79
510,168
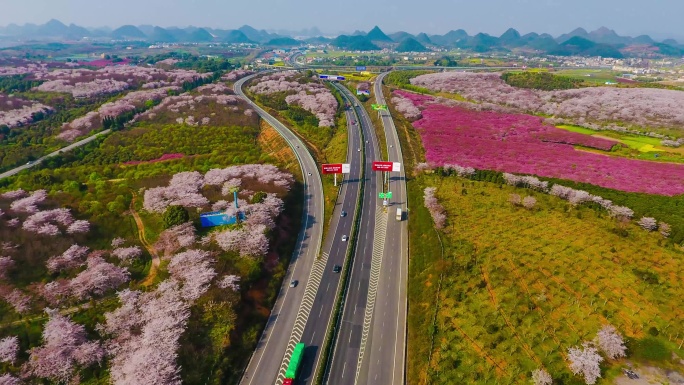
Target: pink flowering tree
541,377
648,223
229,282
436,210
585,361
9,347
249,241
6,264
72,258
610,342
20,301
29,203
118,242
65,349
78,227
56,292
8,379
176,238
126,254
183,190
97,278
193,268
145,332
529,202
14,194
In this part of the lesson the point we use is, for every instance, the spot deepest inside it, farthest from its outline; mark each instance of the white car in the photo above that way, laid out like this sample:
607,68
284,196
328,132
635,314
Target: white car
345,238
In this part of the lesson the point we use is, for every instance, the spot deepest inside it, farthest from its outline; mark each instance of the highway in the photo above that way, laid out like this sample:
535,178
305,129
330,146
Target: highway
318,285
265,363
54,153
352,339
387,345
317,325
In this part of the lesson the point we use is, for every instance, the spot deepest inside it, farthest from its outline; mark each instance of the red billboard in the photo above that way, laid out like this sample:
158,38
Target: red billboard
335,168
386,166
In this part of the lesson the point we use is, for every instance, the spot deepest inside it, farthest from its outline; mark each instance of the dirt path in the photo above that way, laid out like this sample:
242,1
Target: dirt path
150,249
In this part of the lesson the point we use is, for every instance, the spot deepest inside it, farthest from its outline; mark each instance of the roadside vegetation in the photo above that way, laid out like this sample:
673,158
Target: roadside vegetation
118,204
546,276
514,298
312,110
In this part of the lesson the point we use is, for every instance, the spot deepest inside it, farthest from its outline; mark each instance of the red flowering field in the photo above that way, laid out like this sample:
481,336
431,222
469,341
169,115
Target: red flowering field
523,144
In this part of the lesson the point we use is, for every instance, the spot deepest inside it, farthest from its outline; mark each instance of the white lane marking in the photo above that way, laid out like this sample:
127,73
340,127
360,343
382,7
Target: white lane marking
380,233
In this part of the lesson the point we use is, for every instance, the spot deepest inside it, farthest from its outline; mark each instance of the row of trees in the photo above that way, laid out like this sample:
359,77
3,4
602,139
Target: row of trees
540,81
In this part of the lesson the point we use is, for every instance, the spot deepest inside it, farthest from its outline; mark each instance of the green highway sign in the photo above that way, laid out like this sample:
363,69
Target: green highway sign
387,195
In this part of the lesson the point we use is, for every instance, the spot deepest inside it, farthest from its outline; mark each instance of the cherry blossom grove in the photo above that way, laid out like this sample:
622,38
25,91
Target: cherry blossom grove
93,119
236,75
523,144
81,82
16,112
184,188
194,269
214,102
313,97
65,347
147,327
29,204
643,107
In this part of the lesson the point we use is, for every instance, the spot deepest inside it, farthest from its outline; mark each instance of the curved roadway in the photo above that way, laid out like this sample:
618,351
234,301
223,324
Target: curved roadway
267,359
303,313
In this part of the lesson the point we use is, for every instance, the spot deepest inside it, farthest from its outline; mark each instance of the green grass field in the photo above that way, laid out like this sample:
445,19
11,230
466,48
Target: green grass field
515,288
590,76
637,147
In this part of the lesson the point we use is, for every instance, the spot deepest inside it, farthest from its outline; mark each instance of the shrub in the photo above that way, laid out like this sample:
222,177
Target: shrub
175,215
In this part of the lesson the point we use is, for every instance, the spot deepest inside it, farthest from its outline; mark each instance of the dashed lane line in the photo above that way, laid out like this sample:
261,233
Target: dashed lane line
312,286
380,233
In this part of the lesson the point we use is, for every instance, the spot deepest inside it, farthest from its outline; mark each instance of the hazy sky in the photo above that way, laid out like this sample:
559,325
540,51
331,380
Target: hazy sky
628,17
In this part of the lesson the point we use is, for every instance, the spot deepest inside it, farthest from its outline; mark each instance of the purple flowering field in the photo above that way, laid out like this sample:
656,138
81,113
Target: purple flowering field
520,143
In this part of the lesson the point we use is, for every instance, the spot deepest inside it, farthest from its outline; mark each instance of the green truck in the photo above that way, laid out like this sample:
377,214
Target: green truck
295,364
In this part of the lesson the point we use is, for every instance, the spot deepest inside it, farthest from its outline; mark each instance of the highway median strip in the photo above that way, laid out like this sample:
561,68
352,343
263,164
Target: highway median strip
333,327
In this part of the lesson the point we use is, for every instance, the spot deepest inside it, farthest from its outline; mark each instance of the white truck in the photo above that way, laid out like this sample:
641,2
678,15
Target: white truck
399,214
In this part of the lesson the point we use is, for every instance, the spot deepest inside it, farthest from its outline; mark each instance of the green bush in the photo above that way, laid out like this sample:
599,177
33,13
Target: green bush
175,215
651,349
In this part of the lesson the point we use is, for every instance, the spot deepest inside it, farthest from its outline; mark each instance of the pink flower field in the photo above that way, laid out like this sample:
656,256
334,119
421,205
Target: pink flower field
523,144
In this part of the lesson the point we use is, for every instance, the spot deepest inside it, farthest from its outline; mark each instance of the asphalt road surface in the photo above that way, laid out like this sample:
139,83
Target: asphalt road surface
318,322
266,361
350,342
387,346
